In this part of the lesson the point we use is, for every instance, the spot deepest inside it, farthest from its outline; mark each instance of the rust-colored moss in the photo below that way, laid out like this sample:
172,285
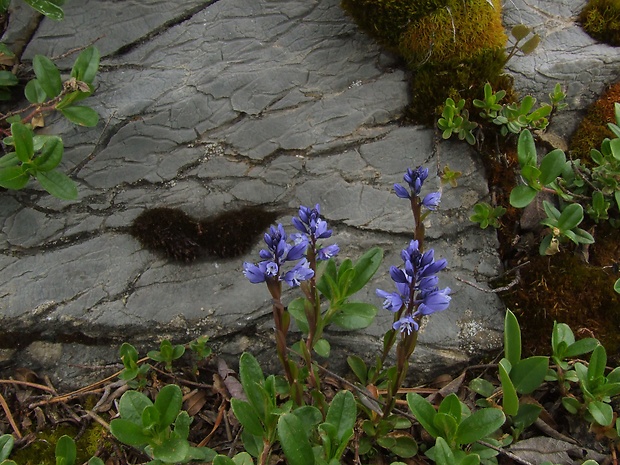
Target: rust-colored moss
593,128
566,288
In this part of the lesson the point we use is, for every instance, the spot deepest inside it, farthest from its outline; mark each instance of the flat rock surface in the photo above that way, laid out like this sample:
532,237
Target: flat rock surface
209,107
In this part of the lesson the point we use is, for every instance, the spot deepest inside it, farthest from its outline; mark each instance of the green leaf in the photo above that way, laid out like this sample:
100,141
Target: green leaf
512,338
34,92
252,444
294,441
602,413
172,450
47,75
182,424
482,387
8,79
526,149
297,310
83,116
58,184
66,452
327,281
528,374
527,415
399,444
365,268
168,403
451,405
582,346
342,413
23,141
598,361
131,406
251,374
358,366
355,315
51,154
322,347
443,455
479,425
530,45
96,461
571,404
13,177
552,166
571,216
223,460
520,31
446,425
521,196
6,446
128,432
247,416
424,412
510,400
10,159
47,8
86,65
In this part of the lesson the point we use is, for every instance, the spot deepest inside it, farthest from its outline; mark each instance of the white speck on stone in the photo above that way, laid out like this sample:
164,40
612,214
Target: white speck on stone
357,83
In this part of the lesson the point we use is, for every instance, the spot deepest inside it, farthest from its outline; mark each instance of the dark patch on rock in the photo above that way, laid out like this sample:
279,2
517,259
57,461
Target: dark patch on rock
181,237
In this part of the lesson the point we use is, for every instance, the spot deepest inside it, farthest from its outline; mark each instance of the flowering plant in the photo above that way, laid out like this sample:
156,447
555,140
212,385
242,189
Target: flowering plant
336,285
417,292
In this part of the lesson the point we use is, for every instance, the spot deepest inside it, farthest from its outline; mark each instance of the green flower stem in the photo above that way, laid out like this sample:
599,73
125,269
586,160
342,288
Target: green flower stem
313,315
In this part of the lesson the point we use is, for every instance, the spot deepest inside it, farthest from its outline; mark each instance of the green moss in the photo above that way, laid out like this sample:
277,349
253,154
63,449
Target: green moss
434,82
387,20
459,32
601,19
42,451
453,47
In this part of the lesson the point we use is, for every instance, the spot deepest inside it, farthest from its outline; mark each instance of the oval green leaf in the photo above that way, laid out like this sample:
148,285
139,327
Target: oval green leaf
47,75
47,8
294,441
81,115
172,450
168,403
58,184
479,425
51,154
23,141
529,374
570,217
34,92
13,177
86,65
355,315
521,196
66,450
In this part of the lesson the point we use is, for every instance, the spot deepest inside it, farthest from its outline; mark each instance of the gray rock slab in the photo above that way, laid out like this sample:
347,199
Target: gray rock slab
211,107
566,55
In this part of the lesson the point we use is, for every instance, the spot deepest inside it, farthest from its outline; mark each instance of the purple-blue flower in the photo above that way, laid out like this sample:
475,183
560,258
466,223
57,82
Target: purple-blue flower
415,179
328,252
259,273
393,301
433,301
301,272
416,293
431,201
406,325
310,223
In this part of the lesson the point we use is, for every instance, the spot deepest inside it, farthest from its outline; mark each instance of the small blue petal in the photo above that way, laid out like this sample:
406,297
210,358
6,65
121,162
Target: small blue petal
401,192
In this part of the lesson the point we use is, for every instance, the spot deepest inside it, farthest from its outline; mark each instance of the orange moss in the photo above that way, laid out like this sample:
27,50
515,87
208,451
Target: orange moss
593,128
